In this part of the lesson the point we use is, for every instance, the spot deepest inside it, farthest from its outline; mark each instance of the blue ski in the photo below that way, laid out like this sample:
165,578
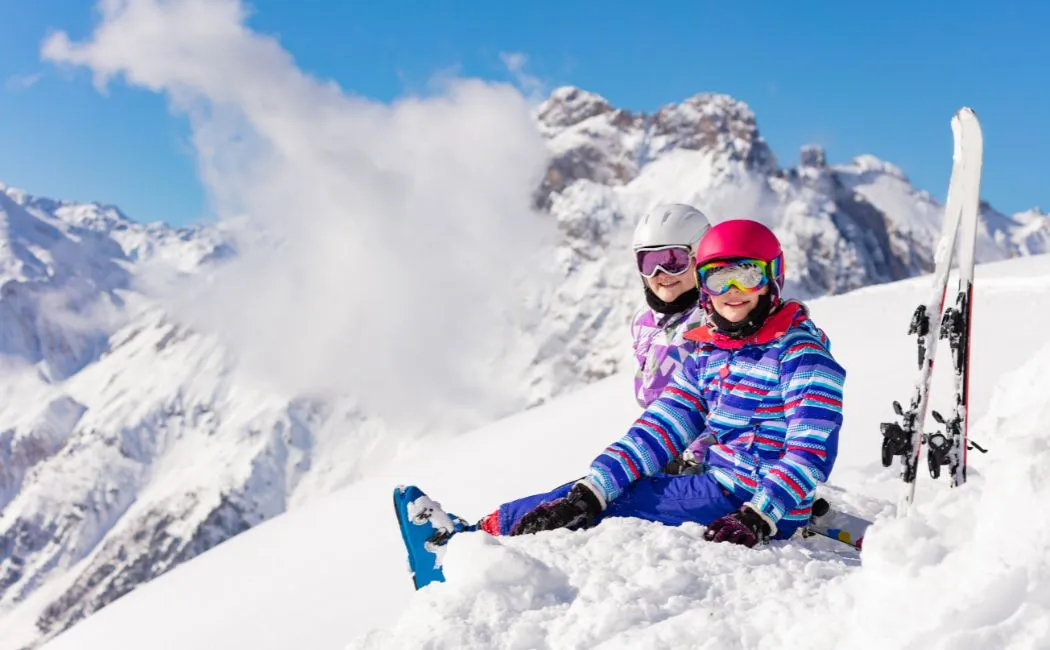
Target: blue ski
425,529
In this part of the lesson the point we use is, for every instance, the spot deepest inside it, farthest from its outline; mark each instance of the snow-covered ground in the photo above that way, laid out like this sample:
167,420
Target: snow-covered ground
969,568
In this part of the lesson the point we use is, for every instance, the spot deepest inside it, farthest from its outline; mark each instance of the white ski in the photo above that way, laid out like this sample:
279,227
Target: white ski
951,450
905,438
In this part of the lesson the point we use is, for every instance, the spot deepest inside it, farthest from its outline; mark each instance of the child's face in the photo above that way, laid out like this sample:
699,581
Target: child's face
734,305
669,287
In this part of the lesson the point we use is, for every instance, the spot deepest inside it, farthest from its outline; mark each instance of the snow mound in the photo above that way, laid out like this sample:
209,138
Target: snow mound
500,592
973,561
629,583
975,558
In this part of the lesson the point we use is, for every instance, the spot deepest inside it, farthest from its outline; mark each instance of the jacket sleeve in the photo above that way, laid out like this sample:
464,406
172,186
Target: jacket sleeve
812,384
639,372
660,434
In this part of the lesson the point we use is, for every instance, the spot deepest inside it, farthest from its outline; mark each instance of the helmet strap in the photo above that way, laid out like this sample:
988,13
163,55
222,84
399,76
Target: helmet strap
686,301
749,325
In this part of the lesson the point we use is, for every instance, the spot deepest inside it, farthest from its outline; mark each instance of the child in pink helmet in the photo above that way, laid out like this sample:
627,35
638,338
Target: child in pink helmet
761,382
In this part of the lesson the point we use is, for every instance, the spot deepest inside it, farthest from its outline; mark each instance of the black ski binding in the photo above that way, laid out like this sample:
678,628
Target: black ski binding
952,326
440,537
937,457
895,440
920,326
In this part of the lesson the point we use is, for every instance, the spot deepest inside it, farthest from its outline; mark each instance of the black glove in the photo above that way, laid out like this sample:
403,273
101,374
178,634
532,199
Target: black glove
742,527
681,465
575,510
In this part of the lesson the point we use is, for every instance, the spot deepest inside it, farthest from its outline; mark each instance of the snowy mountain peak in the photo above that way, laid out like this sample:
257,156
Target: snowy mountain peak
1031,215
87,215
65,272
868,163
568,105
812,155
592,140
59,282
1031,232
714,123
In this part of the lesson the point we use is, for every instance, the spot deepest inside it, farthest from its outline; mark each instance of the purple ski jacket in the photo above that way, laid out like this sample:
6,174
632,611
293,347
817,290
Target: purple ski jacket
660,347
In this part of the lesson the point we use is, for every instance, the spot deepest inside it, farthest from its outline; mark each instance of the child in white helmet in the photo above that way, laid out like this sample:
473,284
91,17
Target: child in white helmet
664,247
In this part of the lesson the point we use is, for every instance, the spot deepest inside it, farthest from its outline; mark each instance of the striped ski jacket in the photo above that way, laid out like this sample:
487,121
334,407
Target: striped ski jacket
772,402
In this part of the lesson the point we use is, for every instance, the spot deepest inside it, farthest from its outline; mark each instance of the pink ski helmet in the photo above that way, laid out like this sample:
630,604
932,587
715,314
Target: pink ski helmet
744,238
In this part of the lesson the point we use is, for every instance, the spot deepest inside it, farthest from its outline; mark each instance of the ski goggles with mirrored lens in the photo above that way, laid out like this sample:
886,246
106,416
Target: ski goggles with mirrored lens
716,278
672,260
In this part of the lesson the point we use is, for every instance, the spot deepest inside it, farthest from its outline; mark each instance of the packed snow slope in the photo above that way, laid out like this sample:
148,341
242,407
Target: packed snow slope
968,569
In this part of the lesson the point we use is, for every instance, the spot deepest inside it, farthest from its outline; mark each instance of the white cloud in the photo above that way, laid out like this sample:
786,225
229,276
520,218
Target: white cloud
22,81
384,241
516,63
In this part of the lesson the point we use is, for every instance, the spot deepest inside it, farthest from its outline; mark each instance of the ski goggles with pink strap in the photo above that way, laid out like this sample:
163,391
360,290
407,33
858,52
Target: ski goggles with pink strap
747,275
672,260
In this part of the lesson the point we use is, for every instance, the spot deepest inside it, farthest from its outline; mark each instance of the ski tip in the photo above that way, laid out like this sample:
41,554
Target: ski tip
966,114
408,492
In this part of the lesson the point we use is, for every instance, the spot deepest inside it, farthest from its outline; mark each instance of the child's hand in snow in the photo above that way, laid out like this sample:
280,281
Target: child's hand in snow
744,527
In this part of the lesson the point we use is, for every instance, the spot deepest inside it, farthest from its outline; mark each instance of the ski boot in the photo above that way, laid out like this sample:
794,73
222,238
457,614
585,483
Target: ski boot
425,529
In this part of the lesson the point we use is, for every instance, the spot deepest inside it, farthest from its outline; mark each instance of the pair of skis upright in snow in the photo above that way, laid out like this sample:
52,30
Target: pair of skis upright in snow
906,438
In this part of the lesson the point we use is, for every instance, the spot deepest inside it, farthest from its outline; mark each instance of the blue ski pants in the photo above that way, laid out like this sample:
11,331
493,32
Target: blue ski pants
668,499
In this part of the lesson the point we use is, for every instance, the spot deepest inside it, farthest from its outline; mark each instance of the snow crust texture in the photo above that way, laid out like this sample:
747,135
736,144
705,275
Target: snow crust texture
970,570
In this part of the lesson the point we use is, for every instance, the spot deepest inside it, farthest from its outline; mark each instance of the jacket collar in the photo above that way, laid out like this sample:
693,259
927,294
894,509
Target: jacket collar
777,325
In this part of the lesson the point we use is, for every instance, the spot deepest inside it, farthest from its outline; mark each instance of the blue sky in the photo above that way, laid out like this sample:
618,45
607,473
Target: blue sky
879,78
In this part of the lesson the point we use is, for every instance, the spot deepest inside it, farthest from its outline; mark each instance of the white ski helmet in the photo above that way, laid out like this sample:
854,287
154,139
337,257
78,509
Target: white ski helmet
669,224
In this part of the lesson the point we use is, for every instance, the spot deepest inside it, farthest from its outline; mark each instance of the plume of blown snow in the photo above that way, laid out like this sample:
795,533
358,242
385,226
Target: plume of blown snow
382,246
